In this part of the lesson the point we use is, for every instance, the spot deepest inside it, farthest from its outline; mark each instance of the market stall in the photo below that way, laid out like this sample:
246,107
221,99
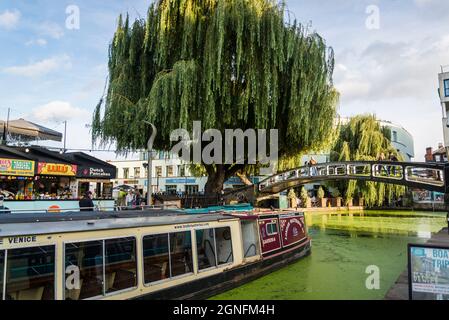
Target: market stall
93,175
16,174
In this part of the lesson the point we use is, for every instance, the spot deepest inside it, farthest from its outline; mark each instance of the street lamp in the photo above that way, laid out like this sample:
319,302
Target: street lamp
153,133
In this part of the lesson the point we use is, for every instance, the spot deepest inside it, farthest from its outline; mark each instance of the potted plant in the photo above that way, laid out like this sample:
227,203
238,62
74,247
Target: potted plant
305,199
336,198
322,200
349,201
292,199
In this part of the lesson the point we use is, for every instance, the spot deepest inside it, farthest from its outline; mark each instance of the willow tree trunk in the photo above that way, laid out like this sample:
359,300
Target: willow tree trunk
215,180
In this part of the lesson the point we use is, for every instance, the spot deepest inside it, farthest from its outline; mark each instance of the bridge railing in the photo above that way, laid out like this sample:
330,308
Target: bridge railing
394,172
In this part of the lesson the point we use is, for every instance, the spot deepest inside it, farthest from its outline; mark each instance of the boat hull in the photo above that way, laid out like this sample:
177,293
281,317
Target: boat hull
210,286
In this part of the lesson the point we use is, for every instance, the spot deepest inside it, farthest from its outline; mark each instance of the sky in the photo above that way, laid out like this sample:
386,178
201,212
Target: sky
388,55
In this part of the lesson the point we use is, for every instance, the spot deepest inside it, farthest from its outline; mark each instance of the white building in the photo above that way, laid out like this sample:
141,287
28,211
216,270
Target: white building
169,174
443,90
401,139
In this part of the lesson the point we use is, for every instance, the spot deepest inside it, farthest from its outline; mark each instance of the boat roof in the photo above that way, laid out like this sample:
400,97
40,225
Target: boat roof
49,223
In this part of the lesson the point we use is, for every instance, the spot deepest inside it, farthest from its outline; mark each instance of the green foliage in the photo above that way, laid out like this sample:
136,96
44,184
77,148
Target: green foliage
227,63
362,138
336,193
291,194
320,193
304,195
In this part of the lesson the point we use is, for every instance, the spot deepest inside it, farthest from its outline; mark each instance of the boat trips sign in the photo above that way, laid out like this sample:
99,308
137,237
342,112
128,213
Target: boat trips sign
13,167
428,272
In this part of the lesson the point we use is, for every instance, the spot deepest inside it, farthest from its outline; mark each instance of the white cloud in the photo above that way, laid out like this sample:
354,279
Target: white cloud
51,29
9,19
57,111
39,42
42,67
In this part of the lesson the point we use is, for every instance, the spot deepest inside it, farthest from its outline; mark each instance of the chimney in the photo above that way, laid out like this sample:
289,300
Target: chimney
429,155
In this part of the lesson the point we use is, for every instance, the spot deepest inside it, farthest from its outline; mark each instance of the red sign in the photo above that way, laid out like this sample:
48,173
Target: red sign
269,234
292,229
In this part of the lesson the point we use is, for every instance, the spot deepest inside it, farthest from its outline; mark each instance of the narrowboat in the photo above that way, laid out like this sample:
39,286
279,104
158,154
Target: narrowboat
151,254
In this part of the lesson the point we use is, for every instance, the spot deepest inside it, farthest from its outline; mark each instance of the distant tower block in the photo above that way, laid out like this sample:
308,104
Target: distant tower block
443,91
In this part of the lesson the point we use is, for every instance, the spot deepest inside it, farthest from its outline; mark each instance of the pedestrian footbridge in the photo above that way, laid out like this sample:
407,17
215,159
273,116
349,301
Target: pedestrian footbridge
427,176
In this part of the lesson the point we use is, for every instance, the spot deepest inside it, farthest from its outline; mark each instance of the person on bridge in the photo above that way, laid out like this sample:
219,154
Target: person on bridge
313,162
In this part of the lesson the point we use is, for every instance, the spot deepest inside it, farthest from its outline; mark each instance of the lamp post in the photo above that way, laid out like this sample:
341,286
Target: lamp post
153,133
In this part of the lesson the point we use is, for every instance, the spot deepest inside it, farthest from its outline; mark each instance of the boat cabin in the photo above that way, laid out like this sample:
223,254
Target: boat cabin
133,254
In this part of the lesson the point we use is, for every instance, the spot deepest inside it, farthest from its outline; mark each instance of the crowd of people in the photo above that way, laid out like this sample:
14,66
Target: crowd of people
132,198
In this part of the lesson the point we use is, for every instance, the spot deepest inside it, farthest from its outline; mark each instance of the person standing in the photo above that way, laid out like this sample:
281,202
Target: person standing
86,203
130,198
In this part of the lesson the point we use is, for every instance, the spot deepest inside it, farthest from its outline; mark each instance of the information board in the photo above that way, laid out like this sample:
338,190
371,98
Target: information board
428,272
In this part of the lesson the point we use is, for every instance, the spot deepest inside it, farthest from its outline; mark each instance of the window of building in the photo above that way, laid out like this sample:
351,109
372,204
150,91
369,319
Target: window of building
170,188
125,173
181,170
170,171
191,189
437,158
167,256
158,171
137,172
446,88
90,273
30,273
395,136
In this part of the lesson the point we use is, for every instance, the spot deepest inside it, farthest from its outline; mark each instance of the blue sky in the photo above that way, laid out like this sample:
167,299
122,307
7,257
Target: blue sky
49,73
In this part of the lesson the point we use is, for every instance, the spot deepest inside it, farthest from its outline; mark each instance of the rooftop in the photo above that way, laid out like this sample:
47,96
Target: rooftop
48,223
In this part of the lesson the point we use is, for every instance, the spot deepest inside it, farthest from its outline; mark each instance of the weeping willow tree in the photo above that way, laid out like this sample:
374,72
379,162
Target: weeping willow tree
227,63
363,138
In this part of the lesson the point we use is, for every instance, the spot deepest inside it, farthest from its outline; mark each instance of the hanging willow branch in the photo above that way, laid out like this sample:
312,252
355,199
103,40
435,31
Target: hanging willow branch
228,63
363,138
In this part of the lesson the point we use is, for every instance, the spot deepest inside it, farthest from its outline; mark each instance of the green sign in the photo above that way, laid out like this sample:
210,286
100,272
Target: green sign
14,167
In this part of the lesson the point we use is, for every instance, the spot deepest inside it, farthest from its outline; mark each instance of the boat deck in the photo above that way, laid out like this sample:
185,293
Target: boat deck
46,223
399,291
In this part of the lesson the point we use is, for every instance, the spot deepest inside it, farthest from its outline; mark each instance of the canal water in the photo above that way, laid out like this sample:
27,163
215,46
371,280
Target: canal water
343,246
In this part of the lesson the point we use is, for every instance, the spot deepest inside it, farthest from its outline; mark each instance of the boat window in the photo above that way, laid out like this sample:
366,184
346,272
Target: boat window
30,273
224,245
84,270
205,244
156,258
250,238
2,267
120,264
180,253
272,228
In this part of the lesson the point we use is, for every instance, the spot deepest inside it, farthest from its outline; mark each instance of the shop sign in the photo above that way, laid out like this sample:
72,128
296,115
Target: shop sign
57,169
180,180
91,172
13,167
428,272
